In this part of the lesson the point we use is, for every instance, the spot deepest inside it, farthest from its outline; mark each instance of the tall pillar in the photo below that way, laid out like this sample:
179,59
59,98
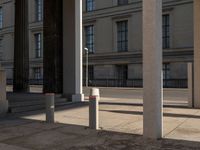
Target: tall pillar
196,53
21,47
72,49
152,69
53,46
3,100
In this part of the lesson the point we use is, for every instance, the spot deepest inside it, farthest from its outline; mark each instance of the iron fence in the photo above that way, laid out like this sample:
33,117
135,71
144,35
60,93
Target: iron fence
31,81
137,83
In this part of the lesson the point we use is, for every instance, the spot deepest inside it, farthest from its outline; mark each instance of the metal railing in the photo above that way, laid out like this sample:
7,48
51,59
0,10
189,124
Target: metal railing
175,83
137,83
31,81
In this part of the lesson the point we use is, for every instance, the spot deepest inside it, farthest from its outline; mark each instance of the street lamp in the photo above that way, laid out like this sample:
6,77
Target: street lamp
86,73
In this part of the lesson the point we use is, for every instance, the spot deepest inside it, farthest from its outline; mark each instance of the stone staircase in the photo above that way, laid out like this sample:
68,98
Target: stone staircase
30,102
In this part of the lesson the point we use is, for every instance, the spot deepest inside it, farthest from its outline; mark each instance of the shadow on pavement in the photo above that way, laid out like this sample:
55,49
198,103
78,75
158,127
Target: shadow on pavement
57,109
140,104
164,114
37,135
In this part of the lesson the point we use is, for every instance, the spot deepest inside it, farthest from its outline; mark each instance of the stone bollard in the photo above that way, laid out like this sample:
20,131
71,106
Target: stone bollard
94,109
50,106
190,85
3,100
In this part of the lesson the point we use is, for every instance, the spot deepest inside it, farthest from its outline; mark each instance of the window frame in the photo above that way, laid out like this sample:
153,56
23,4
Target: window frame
122,36
1,17
166,71
122,2
90,38
1,49
38,10
166,31
89,5
38,44
37,73
122,72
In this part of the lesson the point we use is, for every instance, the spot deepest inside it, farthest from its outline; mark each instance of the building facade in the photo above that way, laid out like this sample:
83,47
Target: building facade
112,32
7,15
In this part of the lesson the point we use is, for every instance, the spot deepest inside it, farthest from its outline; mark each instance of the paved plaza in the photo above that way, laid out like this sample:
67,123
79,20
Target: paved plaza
121,122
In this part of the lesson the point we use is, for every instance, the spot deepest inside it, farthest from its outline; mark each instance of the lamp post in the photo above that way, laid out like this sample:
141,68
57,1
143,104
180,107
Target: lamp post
86,74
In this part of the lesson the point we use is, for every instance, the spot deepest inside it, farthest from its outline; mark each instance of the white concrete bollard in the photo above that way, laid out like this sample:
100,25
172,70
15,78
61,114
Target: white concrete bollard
3,100
95,92
50,107
94,109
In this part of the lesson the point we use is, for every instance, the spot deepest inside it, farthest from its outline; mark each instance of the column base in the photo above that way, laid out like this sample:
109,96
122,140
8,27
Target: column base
158,135
78,98
3,107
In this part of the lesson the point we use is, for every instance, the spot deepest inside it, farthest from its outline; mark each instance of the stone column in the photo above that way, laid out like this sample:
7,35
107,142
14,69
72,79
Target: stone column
190,85
21,47
196,53
53,46
3,100
72,49
152,69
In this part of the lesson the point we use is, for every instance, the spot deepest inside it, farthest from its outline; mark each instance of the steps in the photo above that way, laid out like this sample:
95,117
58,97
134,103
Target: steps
30,102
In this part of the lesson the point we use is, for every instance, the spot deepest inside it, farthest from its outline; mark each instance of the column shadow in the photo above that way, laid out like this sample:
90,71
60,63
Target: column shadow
43,136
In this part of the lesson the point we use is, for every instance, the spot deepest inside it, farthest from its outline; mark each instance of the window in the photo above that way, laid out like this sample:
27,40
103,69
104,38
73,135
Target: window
122,72
122,2
1,51
89,5
1,18
38,45
89,38
122,75
122,36
166,75
39,10
37,73
166,71
90,73
166,31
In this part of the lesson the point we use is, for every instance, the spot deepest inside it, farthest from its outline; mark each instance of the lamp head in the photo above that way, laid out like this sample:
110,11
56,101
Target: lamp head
86,50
